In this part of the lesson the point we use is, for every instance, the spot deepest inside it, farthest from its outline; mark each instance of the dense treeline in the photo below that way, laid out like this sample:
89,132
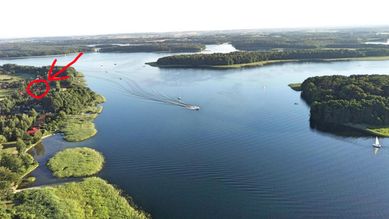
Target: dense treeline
358,99
154,47
250,57
351,38
73,101
194,41
269,44
38,49
11,167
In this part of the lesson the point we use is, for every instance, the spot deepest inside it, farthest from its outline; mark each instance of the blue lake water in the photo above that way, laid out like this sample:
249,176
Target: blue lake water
248,153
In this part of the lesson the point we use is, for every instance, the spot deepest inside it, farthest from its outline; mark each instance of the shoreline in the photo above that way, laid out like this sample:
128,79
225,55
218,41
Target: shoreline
367,129
31,168
35,166
36,143
271,62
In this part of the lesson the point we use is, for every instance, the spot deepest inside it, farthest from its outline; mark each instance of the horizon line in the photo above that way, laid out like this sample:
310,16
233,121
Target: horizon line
265,29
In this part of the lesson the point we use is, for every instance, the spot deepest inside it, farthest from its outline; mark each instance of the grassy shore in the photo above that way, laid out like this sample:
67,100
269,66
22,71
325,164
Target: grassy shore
383,132
295,86
78,127
269,62
90,198
76,162
377,131
81,127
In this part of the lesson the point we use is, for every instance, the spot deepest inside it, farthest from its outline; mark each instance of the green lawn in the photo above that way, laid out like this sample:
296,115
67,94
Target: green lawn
8,78
78,127
92,198
76,162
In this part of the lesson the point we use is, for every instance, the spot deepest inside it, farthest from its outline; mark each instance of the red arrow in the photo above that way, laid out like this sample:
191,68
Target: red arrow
54,77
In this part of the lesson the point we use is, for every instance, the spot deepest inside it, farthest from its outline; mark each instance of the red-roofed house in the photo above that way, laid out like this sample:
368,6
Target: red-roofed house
32,131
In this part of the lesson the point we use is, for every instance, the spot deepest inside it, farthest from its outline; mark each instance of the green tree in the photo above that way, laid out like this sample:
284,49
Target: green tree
7,177
12,162
20,145
2,139
37,136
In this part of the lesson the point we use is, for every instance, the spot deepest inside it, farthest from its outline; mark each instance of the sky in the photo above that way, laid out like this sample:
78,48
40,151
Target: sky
38,18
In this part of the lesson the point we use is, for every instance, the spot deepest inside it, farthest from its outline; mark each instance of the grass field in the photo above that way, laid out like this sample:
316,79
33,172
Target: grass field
8,78
92,198
76,162
78,127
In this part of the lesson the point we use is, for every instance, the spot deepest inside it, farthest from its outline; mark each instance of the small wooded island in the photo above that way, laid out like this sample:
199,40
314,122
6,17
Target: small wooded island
260,58
357,101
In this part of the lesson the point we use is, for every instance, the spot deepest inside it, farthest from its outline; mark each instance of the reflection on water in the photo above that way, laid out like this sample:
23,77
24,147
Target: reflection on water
378,43
38,150
249,153
375,150
338,130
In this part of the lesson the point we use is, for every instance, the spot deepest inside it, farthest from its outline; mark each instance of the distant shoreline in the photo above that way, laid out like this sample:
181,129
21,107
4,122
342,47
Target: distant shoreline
270,62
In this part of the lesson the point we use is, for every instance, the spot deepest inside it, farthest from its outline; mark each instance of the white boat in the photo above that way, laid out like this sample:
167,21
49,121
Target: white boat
377,143
191,107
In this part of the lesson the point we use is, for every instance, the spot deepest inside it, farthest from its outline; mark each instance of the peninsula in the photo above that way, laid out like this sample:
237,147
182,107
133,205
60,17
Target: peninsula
357,101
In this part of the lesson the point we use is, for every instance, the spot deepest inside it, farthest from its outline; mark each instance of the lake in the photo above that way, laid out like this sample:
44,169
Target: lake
248,153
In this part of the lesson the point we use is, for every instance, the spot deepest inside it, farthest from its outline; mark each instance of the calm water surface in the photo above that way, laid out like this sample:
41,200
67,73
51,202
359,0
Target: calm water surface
248,153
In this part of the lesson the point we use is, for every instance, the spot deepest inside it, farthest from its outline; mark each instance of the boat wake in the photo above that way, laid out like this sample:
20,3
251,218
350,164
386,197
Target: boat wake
131,88
135,90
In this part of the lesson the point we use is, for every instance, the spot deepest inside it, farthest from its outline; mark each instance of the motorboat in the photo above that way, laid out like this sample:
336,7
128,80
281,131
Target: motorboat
192,107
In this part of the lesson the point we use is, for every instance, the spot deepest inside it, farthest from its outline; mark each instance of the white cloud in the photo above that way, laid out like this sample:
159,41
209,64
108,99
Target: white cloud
24,18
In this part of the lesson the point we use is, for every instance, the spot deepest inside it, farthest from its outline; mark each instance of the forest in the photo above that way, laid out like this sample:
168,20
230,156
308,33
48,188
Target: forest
233,58
153,47
24,120
250,40
357,99
289,40
8,50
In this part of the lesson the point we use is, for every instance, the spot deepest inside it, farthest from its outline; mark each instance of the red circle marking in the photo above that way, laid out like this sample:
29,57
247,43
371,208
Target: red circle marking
28,88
